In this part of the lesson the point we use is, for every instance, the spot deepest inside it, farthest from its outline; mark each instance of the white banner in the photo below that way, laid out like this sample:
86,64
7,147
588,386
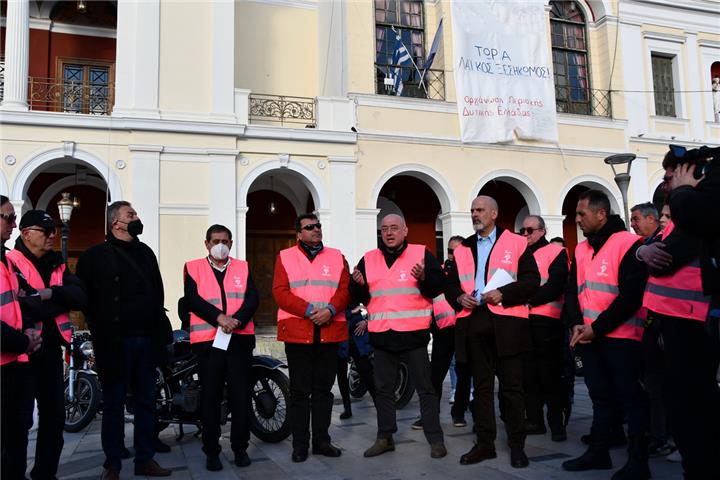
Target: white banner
503,75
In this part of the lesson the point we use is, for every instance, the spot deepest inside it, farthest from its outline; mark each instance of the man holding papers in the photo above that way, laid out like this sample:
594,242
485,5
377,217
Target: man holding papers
221,298
495,277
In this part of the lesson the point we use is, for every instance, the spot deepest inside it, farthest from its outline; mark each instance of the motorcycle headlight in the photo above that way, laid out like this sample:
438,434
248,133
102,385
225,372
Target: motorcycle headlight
87,348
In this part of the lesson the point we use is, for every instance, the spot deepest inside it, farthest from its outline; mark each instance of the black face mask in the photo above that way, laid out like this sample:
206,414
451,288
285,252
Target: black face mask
134,228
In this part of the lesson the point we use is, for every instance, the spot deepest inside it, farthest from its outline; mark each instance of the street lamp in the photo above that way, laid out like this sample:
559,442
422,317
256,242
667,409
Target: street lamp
65,208
622,179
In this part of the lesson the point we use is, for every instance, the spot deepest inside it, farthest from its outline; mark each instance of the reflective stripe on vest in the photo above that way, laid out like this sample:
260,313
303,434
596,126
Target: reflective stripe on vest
395,299
598,287
544,257
234,285
443,313
505,255
679,294
316,281
10,308
63,322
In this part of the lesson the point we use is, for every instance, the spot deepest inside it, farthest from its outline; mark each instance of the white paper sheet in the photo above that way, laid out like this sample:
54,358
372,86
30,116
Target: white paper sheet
222,339
499,279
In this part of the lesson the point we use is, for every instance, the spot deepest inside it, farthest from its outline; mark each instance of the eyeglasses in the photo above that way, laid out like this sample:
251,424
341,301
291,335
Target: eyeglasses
46,231
391,228
9,217
528,230
312,226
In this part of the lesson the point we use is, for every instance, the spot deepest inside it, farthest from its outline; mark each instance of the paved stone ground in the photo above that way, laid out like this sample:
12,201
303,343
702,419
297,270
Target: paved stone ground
82,456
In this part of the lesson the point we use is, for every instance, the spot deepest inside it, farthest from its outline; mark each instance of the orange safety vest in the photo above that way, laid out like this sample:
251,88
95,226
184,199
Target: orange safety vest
443,313
316,282
10,308
597,279
26,267
234,284
505,255
544,257
679,294
395,299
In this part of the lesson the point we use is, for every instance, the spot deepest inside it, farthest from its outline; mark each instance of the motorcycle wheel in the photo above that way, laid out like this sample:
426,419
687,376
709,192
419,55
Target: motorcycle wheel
80,412
357,387
268,406
404,388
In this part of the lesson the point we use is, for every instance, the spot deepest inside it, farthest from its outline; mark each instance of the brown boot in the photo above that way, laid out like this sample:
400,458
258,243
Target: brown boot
380,446
151,469
110,474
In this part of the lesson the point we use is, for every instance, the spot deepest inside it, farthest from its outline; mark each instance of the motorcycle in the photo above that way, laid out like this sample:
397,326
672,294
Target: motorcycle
404,388
83,396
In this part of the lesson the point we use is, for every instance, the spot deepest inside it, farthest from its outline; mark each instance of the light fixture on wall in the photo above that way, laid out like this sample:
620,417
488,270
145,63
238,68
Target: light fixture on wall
81,6
65,209
272,208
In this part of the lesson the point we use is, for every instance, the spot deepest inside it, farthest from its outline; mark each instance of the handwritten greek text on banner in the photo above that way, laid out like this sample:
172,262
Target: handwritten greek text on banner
503,76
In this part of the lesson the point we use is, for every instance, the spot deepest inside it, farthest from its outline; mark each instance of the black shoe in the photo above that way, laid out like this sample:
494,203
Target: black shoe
299,455
535,429
213,463
518,459
636,467
558,434
161,447
477,454
593,459
347,413
242,459
417,424
326,449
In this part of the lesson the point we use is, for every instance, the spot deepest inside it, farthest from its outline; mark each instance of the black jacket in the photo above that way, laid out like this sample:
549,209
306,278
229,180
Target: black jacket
512,334
557,277
430,287
124,298
632,277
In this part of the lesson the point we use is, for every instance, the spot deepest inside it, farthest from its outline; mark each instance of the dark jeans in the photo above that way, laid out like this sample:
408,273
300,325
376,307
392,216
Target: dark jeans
364,368
654,372
17,411
342,380
139,376
216,368
485,363
612,373
462,392
443,350
543,372
312,375
386,371
693,398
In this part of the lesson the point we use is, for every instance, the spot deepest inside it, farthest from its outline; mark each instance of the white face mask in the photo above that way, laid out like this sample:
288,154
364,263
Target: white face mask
219,251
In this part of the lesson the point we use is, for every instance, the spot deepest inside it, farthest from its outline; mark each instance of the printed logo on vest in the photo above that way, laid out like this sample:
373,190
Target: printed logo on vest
237,281
506,260
403,276
325,270
603,269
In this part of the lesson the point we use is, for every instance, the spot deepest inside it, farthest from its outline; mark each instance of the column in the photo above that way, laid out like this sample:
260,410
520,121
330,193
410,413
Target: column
17,44
632,55
366,236
639,183
146,191
553,226
223,187
695,84
223,60
240,235
331,48
342,203
137,66
455,223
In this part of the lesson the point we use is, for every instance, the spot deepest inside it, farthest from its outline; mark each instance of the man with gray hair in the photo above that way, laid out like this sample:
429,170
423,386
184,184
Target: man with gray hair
130,329
644,220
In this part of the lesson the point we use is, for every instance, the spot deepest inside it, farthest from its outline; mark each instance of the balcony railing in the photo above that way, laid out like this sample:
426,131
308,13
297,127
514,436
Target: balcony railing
432,86
583,101
282,109
53,95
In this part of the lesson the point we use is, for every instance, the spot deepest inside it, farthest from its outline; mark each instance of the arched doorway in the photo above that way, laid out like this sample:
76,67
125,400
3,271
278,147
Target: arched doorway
274,200
512,206
420,206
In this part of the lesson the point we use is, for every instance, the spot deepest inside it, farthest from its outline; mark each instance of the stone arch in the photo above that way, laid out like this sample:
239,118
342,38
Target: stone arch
35,165
57,187
527,188
432,178
312,182
593,181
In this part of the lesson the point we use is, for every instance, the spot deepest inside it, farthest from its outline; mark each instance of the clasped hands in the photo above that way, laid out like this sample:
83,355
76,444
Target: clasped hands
227,323
493,297
582,334
35,340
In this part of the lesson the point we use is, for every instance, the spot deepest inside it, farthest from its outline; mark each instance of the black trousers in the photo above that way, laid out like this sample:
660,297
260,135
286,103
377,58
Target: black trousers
485,364
312,371
342,380
443,350
386,371
217,368
462,392
693,398
44,383
16,411
612,373
653,377
364,367
543,372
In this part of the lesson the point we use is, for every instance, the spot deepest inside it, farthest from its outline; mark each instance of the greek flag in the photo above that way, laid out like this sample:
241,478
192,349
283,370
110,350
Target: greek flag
400,57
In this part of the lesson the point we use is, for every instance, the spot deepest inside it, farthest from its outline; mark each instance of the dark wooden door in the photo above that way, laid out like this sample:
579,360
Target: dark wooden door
262,250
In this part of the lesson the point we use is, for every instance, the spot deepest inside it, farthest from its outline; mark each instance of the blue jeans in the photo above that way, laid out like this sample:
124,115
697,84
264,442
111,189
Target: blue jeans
139,376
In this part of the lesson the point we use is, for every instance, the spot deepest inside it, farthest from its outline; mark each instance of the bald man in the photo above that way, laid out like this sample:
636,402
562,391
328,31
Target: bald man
492,330
398,282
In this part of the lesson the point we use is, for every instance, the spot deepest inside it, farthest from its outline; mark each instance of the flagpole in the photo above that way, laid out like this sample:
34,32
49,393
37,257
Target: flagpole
422,81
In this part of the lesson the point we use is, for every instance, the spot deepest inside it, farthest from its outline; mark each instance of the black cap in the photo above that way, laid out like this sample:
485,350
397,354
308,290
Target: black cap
36,218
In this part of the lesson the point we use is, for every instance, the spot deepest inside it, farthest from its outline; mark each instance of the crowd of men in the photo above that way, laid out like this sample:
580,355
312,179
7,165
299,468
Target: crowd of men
641,309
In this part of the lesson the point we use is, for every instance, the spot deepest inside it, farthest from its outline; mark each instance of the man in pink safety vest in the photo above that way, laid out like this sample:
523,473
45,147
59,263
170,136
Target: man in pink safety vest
544,369
220,295
492,331
603,302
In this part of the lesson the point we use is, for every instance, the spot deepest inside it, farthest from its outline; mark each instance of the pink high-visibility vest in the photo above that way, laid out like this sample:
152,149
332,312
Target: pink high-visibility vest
10,308
395,299
235,286
597,279
544,257
443,313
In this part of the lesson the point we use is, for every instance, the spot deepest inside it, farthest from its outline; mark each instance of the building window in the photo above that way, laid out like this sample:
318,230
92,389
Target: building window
86,87
570,58
407,18
663,86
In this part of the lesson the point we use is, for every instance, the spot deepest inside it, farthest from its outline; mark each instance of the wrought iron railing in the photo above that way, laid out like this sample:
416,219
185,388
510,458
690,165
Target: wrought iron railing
431,87
282,109
54,95
583,101
2,77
